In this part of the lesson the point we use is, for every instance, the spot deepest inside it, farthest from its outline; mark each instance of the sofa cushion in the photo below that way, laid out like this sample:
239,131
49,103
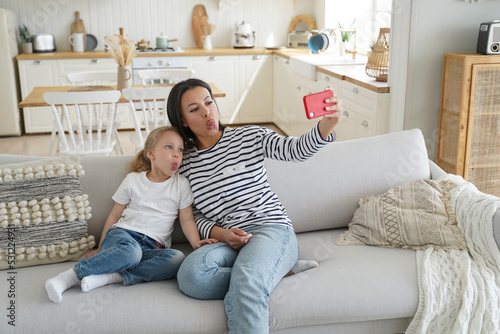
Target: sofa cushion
350,284
43,213
415,215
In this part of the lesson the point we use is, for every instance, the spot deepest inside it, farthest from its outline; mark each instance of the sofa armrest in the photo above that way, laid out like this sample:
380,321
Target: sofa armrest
496,227
435,170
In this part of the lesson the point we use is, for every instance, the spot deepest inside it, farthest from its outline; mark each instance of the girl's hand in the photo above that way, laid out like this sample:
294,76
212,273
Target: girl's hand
92,253
328,122
205,242
236,238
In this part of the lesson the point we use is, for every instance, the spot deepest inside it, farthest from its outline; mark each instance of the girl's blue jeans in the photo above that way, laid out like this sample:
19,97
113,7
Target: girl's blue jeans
134,256
244,278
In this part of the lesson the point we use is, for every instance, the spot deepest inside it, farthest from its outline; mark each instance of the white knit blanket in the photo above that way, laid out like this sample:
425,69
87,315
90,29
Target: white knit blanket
459,291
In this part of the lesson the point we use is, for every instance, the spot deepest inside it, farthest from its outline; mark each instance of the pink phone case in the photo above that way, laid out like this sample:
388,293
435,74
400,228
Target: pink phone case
315,104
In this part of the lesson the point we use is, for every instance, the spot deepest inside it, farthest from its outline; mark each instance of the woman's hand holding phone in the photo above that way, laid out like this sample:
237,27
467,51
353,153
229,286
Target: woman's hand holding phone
326,104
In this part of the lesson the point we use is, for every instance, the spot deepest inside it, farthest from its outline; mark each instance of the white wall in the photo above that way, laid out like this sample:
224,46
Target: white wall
438,27
148,18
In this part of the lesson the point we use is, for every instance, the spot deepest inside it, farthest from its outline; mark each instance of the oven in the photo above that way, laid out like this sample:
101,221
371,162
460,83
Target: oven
156,59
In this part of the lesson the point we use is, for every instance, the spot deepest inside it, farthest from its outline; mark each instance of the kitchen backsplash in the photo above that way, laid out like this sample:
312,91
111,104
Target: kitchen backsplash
149,18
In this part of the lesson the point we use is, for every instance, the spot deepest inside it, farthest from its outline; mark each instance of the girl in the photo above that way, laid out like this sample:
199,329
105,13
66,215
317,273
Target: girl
235,204
136,238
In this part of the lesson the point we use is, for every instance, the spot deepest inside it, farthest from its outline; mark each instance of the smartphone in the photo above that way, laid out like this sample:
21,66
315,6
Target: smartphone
315,104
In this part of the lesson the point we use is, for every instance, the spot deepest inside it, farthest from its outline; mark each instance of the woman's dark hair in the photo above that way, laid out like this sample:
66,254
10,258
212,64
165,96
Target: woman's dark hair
174,111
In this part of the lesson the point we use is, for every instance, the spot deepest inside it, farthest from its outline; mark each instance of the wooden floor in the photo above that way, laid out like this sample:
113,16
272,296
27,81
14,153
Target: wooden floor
31,144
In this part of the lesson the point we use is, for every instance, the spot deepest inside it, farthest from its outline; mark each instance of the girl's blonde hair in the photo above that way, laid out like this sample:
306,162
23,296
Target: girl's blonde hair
141,161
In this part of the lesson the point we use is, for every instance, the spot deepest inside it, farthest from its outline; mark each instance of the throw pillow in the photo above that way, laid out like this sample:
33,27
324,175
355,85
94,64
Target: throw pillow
43,213
415,215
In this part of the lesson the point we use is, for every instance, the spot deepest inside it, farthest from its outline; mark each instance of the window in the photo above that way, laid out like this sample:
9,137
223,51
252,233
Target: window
369,16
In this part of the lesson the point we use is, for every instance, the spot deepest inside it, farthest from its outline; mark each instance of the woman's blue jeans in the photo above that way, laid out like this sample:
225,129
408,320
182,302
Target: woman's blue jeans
135,256
244,278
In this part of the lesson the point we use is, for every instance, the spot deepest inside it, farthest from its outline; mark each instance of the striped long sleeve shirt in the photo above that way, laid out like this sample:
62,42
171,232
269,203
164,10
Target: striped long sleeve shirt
229,181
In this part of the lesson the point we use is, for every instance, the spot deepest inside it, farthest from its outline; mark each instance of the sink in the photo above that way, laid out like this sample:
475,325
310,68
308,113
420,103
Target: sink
306,65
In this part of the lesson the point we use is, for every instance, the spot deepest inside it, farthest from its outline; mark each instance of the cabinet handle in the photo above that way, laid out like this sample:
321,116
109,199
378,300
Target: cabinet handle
287,62
256,57
355,90
345,113
38,62
327,78
364,123
299,88
212,58
94,61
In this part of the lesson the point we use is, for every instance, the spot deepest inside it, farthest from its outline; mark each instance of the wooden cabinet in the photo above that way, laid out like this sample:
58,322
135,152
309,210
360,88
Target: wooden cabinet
223,71
469,123
34,73
255,103
366,112
66,66
282,86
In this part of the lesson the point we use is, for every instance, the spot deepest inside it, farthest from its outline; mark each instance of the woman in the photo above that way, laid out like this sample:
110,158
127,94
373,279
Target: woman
235,204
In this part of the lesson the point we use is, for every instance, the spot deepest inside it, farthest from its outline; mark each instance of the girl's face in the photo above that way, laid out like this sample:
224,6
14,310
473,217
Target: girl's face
166,156
199,112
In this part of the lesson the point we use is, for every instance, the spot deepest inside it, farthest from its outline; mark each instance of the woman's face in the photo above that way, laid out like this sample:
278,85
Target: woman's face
200,113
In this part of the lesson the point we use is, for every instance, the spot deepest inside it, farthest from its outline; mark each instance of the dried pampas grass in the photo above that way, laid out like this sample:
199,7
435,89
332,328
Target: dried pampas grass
121,49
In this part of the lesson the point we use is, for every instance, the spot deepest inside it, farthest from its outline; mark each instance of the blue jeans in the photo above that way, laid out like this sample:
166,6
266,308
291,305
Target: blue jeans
244,278
135,256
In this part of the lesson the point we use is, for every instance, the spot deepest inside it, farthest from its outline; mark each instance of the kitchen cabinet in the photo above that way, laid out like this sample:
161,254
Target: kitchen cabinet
255,90
66,66
366,112
223,71
282,86
34,73
289,89
469,121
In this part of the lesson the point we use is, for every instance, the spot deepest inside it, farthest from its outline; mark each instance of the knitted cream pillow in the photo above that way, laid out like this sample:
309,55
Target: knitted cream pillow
43,213
415,215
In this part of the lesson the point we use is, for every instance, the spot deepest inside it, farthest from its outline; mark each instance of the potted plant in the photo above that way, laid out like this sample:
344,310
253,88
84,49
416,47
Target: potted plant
25,36
345,36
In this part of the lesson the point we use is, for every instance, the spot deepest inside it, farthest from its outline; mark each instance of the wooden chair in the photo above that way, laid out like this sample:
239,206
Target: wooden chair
97,78
93,78
173,75
81,128
149,110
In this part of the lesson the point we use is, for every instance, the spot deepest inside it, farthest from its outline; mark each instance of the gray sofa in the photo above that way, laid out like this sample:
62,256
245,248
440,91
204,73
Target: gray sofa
355,289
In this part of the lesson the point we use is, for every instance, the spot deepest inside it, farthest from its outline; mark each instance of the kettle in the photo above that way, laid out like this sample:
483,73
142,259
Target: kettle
244,37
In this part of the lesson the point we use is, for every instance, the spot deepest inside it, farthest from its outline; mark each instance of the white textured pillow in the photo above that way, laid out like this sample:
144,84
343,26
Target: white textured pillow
414,215
43,213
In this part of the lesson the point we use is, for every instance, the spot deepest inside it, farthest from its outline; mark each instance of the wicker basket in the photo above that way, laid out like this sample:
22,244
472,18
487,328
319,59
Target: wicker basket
378,63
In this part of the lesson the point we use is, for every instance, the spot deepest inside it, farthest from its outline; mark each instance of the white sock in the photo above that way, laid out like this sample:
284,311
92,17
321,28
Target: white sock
96,281
56,285
303,265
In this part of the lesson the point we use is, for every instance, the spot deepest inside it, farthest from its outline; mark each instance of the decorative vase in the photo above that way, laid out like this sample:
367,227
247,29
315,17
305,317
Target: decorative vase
342,48
124,79
377,65
27,47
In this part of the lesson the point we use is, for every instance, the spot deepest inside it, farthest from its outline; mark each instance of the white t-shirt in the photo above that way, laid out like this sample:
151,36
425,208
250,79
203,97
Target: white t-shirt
152,207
